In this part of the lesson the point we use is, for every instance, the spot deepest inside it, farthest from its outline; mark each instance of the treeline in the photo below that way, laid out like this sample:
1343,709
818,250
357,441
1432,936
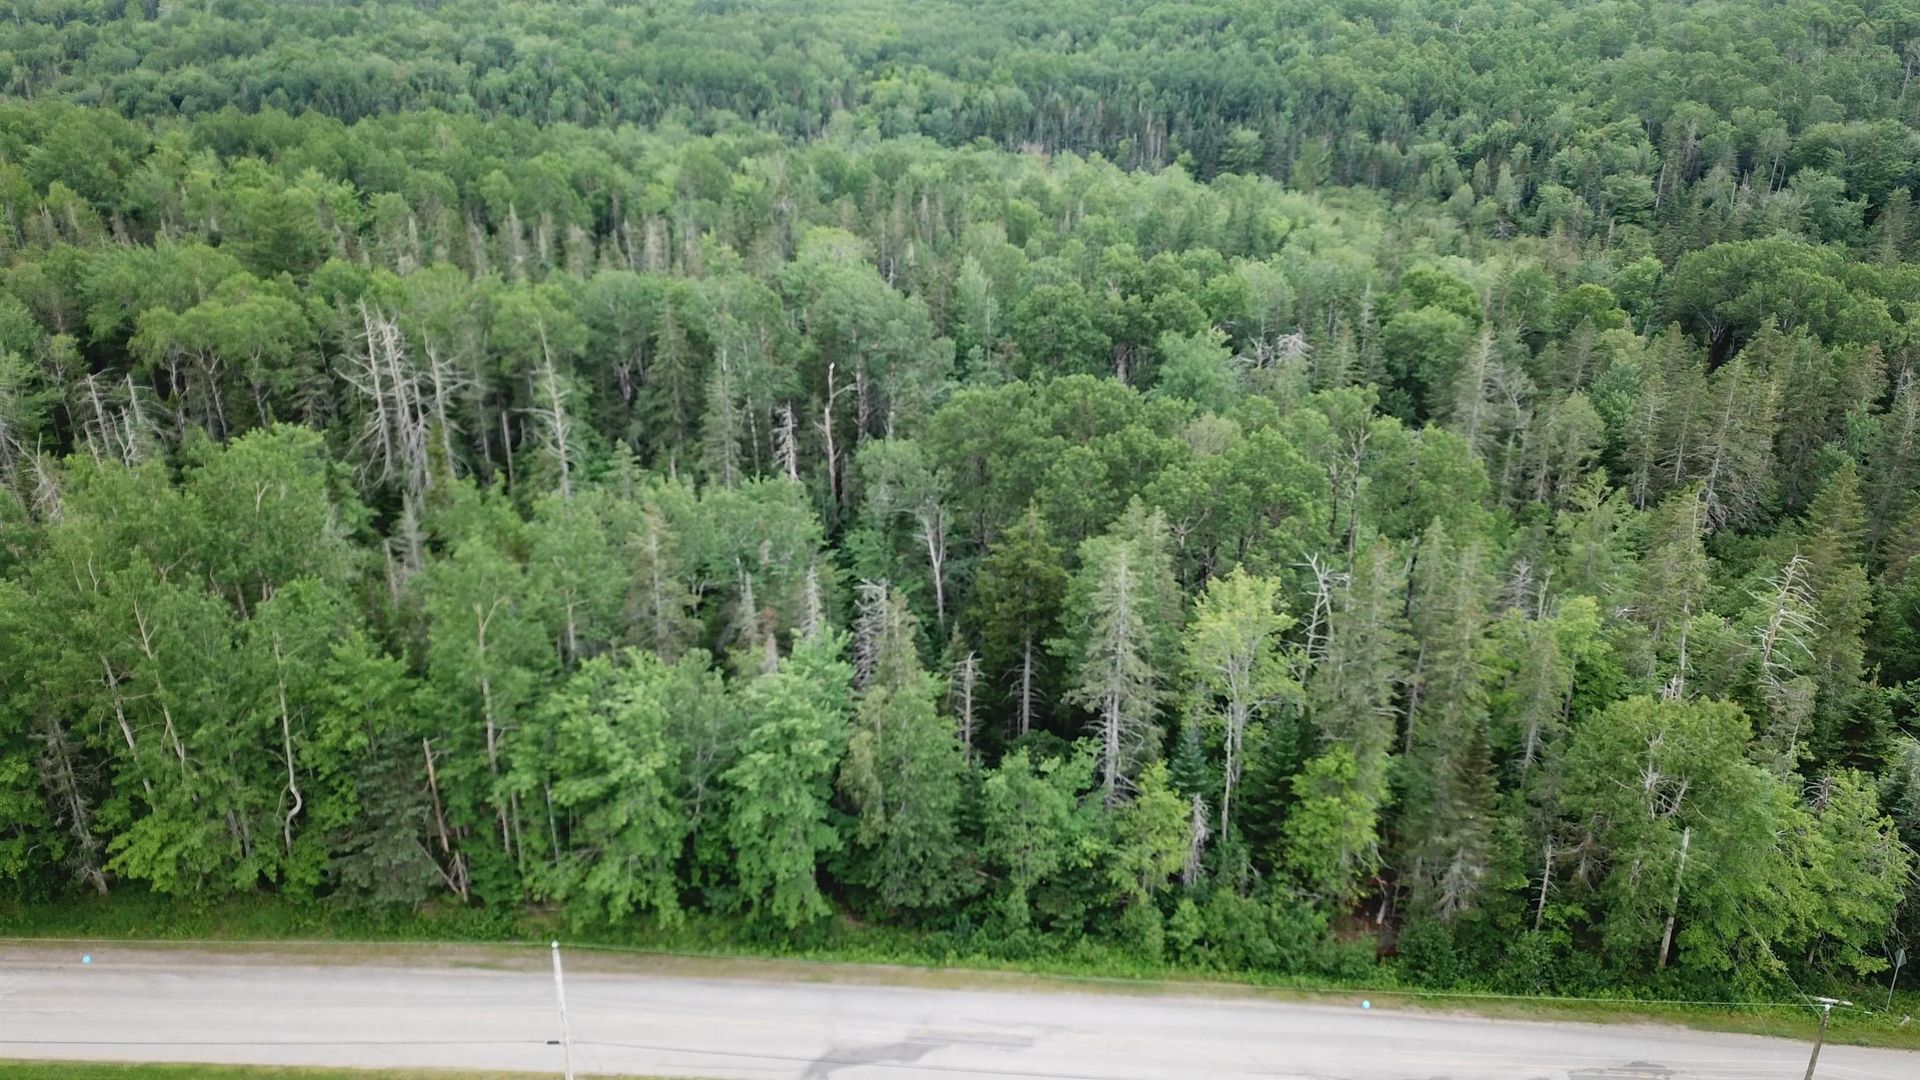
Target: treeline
464,507
1595,115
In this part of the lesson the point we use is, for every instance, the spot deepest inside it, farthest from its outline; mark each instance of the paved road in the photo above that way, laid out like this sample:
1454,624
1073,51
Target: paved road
420,1010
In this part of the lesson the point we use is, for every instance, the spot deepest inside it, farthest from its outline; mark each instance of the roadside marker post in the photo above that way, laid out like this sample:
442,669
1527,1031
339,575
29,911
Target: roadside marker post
566,1033
1899,961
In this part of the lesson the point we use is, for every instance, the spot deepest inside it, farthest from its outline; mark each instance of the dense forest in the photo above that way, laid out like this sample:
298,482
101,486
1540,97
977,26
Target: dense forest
1249,485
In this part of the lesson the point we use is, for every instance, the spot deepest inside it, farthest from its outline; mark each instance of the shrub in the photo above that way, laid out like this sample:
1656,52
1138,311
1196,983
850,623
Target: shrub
1428,956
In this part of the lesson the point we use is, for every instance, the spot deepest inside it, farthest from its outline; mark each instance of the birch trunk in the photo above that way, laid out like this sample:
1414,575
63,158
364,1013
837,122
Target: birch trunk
1673,909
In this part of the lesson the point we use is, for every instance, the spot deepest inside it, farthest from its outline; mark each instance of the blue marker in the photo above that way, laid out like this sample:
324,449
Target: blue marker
1366,1004
88,959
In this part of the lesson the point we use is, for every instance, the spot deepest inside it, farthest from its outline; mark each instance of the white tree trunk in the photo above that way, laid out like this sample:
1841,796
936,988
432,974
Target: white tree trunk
1673,909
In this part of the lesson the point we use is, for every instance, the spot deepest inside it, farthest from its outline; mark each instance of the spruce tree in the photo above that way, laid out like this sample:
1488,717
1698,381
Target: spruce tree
1447,805
1016,602
902,774
1352,695
1842,603
1672,590
1122,611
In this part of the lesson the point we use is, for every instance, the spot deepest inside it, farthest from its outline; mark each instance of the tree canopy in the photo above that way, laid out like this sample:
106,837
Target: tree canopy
1248,484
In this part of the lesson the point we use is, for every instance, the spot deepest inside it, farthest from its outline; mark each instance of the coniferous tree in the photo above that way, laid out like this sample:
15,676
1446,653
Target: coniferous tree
1591,543
660,605
1784,625
1842,605
1448,795
1895,459
1672,588
1536,656
1353,692
672,392
386,834
1332,837
1726,445
1121,608
902,772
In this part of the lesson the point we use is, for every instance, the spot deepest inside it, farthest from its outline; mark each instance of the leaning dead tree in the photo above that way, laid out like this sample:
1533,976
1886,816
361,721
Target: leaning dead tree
394,419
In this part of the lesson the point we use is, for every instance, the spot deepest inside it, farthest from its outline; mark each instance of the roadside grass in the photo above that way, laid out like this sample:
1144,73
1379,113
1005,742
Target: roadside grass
845,951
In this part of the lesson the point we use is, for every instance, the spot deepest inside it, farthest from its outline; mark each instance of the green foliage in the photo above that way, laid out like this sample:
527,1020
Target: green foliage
1199,369
1428,956
1332,836
1238,671
1121,612
1016,601
1696,836
1425,348
611,774
902,773
1149,840
778,825
1480,489
1229,932
1034,826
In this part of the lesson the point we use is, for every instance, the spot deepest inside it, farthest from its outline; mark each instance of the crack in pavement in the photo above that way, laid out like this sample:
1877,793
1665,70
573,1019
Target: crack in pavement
905,1052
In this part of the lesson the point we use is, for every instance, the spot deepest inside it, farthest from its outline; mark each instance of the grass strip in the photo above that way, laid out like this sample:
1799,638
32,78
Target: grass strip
87,1070
844,951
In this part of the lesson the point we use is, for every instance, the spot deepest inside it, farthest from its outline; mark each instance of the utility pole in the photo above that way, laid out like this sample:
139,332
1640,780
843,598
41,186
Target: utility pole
566,1033
1826,1011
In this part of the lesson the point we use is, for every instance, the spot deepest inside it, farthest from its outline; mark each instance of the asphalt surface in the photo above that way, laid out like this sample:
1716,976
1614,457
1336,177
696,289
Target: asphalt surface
293,1009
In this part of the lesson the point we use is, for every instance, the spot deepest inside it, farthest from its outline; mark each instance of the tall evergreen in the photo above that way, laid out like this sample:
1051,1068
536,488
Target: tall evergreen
1842,602
1016,600
902,772
1121,610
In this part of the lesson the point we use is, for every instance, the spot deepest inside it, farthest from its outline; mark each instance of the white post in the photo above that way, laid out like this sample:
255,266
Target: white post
560,992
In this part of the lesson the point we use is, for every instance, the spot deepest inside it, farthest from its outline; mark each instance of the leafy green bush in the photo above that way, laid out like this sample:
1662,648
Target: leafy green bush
1428,956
